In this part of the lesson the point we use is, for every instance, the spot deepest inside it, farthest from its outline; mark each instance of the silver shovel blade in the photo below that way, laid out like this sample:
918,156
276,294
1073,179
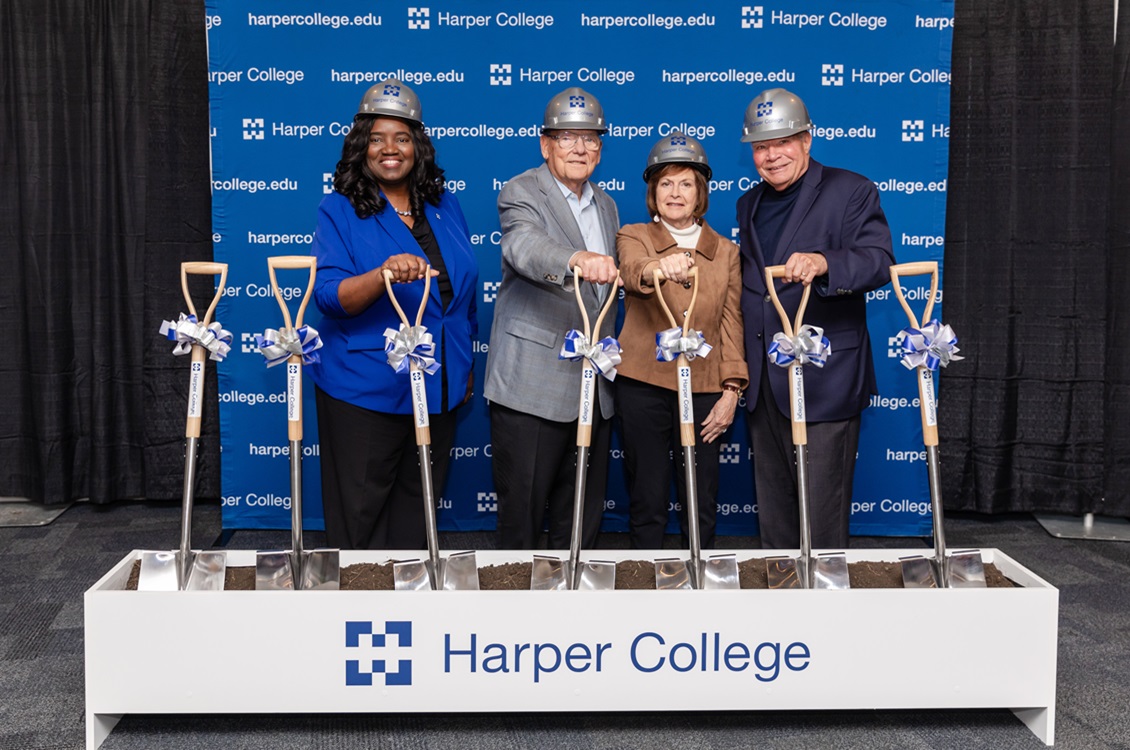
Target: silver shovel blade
158,571
547,574
783,573
411,575
597,575
918,573
831,571
966,570
672,573
273,571
207,571
720,572
321,570
460,572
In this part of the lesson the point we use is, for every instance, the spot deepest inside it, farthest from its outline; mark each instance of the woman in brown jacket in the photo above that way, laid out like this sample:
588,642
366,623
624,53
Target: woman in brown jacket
674,242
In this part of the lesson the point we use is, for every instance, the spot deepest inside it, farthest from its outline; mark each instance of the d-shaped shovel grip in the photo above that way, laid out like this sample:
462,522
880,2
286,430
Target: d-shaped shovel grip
419,402
199,353
796,370
686,429
588,372
294,362
926,386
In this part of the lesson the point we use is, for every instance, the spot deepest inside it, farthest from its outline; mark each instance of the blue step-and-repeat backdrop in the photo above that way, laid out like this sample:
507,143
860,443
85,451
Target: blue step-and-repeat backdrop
286,77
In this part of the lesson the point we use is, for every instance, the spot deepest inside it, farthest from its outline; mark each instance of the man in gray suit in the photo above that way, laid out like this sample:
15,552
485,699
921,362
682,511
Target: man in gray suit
553,219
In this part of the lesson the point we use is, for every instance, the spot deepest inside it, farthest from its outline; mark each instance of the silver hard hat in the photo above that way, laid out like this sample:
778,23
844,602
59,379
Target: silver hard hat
574,108
677,148
775,113
391,98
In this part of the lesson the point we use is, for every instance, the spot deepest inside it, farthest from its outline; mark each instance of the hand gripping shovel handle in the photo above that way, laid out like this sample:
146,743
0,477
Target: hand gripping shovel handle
796,382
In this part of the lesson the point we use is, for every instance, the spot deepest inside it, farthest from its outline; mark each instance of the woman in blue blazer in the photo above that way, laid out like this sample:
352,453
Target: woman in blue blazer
388,211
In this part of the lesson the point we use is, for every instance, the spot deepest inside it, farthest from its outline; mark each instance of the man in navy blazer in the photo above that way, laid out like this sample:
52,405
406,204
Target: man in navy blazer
825,226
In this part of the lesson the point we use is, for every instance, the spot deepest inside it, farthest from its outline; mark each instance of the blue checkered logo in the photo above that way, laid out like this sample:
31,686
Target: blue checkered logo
678,140
764,108
396,637
577,101
392,90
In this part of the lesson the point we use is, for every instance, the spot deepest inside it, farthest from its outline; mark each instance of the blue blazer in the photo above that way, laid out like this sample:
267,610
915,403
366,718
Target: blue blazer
837,213
354,366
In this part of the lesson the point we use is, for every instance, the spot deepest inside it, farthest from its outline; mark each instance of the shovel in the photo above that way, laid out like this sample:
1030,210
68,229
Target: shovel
963,569
828,570
720,571
280,570
460,571
547,572
184,569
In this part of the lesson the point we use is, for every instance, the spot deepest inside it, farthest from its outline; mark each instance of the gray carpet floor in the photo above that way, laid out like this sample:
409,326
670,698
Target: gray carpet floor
45,570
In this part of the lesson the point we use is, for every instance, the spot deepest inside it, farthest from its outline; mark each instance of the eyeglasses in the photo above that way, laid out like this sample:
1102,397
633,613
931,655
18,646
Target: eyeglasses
568,140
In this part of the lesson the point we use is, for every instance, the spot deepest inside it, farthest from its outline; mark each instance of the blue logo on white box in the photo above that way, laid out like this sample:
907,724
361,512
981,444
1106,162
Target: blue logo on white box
764,108
390,645
577,101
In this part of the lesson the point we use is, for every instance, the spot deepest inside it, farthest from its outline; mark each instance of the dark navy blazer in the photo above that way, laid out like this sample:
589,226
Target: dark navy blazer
836,213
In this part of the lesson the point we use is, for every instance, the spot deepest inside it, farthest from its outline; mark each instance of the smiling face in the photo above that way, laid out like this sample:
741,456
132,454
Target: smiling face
782,161
392,153
571,166
676,197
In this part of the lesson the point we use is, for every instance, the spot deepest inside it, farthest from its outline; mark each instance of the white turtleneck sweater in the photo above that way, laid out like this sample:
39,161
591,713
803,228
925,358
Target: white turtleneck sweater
685,238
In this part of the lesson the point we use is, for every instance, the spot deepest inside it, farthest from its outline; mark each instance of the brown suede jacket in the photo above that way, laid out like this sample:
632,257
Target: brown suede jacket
717,312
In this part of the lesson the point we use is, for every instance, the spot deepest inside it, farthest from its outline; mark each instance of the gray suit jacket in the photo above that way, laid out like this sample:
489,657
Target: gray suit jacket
536,305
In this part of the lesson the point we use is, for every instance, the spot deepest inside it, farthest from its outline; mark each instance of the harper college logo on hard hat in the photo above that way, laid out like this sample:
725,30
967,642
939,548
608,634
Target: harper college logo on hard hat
577,101
678,140
764,109
397,637
391,90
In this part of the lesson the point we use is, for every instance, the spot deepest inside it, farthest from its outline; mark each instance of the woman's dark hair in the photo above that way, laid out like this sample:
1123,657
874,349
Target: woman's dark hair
354,180
703,200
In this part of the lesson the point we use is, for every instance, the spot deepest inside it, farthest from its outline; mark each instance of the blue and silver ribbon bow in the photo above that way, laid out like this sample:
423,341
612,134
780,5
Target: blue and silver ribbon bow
671,343
933,345
411,344
187,331
604,354
808,347
278,346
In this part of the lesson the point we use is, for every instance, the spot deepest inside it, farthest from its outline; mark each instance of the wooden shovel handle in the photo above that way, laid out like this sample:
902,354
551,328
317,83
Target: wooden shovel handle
423,432
584,431
199,353
659,278
776,272
686,430
423,300
919,268
294,426
287,262
927,384
800,429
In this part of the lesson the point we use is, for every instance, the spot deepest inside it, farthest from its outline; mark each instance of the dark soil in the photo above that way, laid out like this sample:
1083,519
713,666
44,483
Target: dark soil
637,575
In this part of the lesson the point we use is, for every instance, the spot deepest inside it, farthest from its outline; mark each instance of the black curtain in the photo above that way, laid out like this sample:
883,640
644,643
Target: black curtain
104,143
1116,475
1026,282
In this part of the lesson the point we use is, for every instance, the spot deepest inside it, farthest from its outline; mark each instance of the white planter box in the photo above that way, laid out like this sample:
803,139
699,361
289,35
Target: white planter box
469,651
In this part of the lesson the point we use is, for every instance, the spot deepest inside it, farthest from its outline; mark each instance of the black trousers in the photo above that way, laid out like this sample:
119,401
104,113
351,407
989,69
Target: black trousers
831,469
372,492
649,421
534,462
